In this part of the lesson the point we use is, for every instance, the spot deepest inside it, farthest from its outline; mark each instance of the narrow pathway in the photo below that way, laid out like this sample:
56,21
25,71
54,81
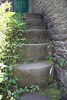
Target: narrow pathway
36,73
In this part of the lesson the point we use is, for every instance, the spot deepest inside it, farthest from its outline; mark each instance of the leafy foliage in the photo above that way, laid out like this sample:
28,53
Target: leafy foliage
9,86
32,88
62,62
12,27
49,58
11,32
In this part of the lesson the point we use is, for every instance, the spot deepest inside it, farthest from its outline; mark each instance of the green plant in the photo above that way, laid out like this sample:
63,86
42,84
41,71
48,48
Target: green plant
49,58
11,33
49,40
32,88
62,62
9,86
51,91
11,29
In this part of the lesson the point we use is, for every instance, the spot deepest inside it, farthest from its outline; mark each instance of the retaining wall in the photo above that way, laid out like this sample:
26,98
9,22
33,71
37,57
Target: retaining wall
55,15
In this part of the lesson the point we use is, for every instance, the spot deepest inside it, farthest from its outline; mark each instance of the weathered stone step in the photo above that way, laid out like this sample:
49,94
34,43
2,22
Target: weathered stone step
35,24
28,16
33,97
35,51
34,74
36,35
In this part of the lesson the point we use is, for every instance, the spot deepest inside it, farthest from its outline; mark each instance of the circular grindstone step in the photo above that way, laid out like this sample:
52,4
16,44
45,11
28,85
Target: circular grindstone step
34,74
33,97
36,35
35,51
32,16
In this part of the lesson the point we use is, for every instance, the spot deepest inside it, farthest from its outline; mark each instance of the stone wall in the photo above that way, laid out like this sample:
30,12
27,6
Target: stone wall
30,5
55,15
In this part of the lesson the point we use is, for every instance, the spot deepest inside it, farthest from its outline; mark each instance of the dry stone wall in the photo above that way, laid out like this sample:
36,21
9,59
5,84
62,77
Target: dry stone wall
55,15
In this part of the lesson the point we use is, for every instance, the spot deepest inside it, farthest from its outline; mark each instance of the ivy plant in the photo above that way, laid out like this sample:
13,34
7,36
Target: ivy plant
62,62
12,27
9,86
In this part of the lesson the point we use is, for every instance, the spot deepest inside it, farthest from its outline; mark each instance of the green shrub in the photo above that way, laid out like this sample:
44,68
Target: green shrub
11,33
9,86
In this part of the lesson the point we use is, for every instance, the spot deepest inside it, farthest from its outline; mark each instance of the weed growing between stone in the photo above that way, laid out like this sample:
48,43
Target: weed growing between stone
49,58
51,91
62,62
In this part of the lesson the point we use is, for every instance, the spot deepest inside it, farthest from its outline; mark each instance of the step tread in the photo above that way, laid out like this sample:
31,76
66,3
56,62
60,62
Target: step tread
32,15
38,65
39,73
33,97
33,20
37,44
36,30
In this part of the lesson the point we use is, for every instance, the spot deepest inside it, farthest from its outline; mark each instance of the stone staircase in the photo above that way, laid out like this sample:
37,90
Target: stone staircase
38,73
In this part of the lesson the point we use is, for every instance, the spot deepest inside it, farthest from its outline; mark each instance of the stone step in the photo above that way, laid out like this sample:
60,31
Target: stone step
34,74
35,51
36,35
35,24
28,16
33,97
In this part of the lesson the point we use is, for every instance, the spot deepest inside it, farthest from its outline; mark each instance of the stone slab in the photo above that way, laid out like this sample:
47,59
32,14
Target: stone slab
35,24
36,35
34,74
32,16
34,97
35,51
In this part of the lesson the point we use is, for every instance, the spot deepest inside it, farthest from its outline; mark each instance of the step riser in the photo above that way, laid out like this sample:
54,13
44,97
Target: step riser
35,24
36,36
32,16
38,51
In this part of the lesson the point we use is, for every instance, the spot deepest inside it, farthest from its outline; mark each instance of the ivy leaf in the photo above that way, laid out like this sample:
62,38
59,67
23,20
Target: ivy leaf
10,68
9,92
37,87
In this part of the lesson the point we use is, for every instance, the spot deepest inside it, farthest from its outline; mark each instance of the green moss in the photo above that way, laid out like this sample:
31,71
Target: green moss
16,64
48,61
51,91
